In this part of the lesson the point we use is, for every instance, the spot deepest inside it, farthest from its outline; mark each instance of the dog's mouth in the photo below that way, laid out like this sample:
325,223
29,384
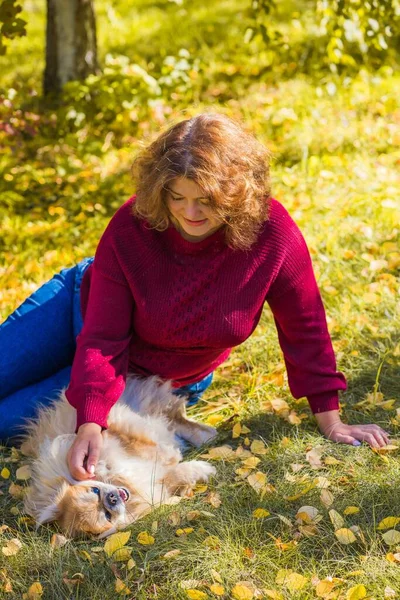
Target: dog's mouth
123,494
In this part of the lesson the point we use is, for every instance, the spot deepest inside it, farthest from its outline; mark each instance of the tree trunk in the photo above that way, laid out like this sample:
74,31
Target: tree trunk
71,49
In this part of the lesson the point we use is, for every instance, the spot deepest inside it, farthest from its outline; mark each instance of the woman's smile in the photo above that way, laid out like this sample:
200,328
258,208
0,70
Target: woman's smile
190,210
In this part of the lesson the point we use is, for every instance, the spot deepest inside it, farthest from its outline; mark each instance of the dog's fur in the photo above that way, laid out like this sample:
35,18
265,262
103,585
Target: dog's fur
139,468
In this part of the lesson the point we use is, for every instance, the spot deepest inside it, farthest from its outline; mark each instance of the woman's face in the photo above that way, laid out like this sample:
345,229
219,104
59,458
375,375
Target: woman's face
190,210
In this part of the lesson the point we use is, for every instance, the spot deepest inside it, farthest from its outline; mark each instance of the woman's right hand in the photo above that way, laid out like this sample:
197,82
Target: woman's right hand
85,451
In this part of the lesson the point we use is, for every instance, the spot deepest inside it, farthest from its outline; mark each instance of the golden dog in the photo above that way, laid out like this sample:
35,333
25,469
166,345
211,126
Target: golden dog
139,468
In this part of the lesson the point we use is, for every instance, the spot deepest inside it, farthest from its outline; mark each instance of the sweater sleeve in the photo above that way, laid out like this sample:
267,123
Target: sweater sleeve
303,334
101,360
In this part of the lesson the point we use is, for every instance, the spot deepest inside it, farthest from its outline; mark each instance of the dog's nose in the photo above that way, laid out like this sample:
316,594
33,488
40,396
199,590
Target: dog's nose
113,498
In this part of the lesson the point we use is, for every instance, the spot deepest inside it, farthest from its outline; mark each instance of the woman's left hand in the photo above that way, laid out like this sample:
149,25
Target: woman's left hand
334,429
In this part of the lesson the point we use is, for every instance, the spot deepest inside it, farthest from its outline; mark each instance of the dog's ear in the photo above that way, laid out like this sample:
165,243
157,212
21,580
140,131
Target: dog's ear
50,513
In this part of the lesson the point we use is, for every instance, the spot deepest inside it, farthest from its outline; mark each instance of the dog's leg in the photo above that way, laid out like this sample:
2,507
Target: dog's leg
195,433
182,478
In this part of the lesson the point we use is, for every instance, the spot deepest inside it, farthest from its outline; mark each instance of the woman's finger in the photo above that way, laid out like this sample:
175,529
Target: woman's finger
76,460
342,438
372,434
369,438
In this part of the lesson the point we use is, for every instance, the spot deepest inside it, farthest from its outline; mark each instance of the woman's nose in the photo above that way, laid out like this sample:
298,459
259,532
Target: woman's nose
192,211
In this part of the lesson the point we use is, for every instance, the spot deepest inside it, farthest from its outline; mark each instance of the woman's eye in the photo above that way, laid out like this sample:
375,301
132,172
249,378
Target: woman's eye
176,199
108,515
96,490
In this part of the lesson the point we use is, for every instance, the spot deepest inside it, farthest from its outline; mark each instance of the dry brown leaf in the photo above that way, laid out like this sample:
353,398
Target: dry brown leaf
220,453
16,491
313,456
327,498
57,540
214,499
257,481
172,553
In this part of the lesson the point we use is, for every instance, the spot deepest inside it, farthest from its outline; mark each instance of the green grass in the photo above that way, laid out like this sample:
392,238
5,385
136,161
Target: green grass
335,168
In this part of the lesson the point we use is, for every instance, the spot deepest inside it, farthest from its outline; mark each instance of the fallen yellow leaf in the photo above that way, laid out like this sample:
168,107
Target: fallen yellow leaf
389,523
345,536
216,575
236,430
35,591
220,453
295,582
392,537
23,473
217,589
12,547
260,513
242,592
116,541
251,462
358,592
196,595
121,588
324,588
258,447
273,594
5,473
351,510
257,481
122,554
336,518
145,539
179,532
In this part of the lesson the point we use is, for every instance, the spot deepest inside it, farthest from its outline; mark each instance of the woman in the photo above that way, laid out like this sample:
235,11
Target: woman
180,276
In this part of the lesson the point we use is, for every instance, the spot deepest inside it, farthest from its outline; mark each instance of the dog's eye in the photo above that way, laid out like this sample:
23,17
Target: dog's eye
96,490
108,515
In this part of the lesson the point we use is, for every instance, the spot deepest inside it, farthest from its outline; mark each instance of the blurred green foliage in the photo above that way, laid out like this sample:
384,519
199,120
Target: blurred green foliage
11,25
343,34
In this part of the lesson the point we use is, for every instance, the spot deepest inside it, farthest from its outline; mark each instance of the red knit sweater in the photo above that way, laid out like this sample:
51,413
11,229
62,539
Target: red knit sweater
155,303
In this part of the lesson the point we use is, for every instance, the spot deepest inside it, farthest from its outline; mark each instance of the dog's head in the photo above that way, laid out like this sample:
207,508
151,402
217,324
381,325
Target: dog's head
79,507
94,508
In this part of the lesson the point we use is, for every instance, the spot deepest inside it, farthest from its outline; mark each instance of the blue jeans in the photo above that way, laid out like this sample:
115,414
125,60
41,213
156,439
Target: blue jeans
37,347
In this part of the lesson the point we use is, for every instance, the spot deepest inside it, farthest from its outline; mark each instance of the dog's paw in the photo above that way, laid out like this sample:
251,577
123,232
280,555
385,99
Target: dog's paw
199,434
201,470
168,455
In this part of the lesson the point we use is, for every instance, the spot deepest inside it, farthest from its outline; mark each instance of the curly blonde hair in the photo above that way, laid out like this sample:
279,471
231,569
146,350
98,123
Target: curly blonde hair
229,165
